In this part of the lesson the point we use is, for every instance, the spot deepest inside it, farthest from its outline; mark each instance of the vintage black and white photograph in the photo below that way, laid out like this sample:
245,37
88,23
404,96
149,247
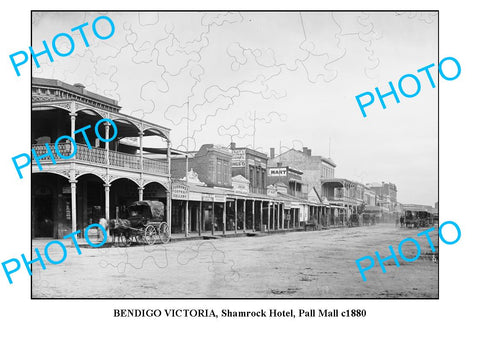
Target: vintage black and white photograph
223,155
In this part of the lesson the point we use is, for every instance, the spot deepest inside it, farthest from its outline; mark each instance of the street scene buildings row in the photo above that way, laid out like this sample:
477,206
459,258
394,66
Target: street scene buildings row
213,190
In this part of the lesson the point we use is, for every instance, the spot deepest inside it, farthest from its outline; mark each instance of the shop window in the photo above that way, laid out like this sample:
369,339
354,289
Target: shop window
225,172
219,172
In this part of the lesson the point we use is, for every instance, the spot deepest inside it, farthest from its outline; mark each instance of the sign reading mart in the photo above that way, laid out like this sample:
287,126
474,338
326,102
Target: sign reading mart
277,172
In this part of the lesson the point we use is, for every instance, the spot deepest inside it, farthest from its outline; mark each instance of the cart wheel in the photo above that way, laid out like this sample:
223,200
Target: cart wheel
150,234
164,232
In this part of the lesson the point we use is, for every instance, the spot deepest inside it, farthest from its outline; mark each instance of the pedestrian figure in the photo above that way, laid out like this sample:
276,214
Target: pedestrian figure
104,223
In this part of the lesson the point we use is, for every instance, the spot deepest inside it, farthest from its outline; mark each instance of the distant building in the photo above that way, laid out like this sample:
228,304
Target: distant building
386,195
212,163
314,168
291,178
369,197
252,165
345,193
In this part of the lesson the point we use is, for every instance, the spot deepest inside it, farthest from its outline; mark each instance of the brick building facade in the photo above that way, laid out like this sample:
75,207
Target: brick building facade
291,178
252,165
314,168
212,163
386,195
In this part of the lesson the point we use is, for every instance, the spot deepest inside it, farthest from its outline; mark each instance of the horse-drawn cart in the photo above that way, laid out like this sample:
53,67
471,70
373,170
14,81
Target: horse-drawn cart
145,224
416,218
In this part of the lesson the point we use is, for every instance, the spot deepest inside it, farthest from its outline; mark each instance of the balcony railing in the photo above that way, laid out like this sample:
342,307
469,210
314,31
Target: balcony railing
344,199
98,156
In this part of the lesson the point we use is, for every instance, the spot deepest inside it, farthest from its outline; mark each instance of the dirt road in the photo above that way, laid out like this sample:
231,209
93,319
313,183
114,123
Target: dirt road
316,264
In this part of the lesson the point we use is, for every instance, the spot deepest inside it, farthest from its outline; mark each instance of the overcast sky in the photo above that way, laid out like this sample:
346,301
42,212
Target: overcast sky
269,79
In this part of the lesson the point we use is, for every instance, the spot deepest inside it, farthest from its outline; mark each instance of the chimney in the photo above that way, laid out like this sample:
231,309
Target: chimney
307,151
272,152
80,86
233,145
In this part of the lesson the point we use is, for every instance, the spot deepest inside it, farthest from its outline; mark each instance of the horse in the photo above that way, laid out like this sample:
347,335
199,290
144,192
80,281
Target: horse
116,229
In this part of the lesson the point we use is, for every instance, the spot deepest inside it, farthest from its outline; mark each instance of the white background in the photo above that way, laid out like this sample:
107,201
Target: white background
453,315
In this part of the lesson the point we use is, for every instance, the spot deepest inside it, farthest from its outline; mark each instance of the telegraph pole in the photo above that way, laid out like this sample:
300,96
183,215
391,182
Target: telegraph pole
329,142
186,170
254,127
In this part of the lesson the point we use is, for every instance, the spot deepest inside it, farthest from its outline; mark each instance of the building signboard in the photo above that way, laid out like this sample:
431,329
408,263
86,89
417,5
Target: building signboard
240,184
179,191
281,188
207,197
238,158
219,198
271,191
195,196
241,187
238,164
238,154
277,172
213,198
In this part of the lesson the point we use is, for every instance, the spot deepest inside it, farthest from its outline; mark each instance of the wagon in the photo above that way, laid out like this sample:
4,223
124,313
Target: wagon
145,224
417,218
